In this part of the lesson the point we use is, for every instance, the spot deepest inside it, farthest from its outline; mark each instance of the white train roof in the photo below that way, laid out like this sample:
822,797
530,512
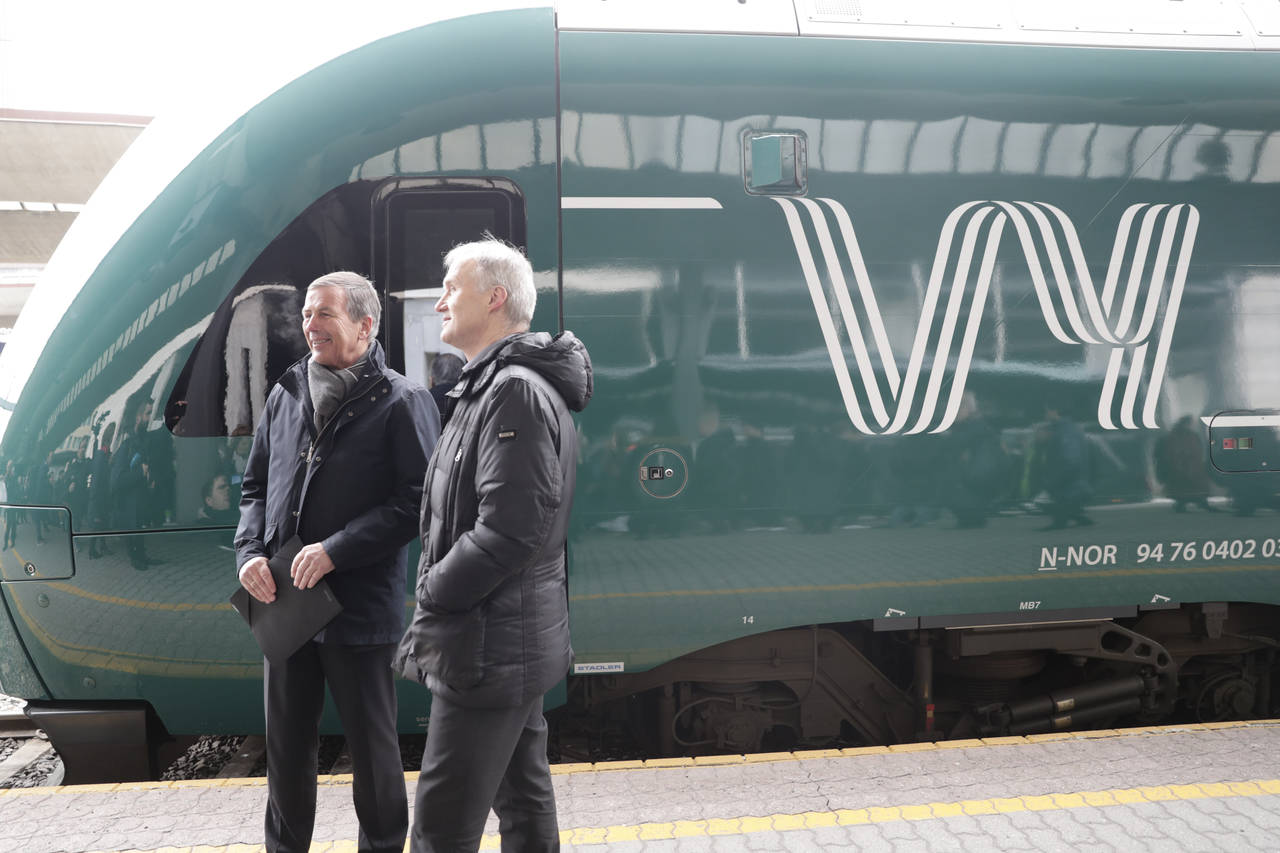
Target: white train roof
1176,24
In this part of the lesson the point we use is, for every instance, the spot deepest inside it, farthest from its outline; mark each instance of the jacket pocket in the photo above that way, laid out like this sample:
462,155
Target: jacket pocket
448,646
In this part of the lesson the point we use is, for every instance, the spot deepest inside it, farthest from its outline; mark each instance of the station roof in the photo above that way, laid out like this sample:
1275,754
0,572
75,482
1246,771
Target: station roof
50,163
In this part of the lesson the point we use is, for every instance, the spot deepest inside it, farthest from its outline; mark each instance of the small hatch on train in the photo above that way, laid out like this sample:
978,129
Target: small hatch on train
775,162
1245,441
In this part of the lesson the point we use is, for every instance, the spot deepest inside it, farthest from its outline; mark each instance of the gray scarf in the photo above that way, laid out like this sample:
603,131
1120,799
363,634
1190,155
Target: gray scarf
329,387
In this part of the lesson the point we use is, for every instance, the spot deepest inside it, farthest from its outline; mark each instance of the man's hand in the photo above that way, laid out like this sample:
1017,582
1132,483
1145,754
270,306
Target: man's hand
255,576
311,564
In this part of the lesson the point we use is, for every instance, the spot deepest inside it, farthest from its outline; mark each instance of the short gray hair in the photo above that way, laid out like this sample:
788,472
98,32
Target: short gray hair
362,299
502,265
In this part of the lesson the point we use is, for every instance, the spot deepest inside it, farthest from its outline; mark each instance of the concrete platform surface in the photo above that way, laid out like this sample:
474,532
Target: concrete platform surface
1183,788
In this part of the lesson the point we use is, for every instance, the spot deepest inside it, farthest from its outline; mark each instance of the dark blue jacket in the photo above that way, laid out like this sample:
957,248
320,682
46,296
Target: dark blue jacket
356,487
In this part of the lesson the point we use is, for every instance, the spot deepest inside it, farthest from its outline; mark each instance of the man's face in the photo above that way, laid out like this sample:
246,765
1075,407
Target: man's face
465,311
219,495
334,338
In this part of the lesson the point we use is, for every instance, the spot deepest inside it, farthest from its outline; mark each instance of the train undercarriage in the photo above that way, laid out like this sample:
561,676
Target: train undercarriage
849,685
846,684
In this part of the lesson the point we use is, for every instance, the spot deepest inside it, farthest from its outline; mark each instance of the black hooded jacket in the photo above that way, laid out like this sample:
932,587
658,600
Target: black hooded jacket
491,626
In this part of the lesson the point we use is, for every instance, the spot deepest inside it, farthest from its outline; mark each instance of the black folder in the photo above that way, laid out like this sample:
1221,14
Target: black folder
295,616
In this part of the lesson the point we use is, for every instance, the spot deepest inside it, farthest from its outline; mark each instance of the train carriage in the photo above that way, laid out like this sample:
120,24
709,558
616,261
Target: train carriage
934,354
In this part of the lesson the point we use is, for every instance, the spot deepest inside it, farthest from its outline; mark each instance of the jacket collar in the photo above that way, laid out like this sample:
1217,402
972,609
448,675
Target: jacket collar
562,361
294,380
478,373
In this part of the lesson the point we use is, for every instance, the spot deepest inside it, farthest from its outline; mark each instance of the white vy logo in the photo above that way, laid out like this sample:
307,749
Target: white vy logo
1135,312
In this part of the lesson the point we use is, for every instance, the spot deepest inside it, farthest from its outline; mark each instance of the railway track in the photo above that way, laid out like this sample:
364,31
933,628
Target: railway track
28,758
15,724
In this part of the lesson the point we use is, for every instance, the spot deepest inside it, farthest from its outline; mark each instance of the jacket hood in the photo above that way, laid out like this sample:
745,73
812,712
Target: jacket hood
563,361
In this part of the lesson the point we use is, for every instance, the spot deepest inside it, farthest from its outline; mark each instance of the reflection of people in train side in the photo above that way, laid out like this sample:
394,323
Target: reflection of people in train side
100,490
235,454
717,477
11,490
760,477
1181,467
43,487
975,468
75,484
158,505
815,468
1062,462
130,481
603,481
216,505
445,370
910,479
858,471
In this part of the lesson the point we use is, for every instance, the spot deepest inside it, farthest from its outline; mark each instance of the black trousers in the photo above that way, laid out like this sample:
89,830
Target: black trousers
360,679
480,757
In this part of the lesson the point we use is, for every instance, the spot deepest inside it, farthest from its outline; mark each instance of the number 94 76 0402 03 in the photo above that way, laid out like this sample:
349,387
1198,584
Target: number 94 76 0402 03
1208,549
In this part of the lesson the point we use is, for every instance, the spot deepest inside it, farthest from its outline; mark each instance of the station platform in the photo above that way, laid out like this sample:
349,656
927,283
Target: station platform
1179,788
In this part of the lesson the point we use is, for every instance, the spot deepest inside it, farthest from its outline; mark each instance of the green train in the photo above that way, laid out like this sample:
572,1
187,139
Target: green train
935,365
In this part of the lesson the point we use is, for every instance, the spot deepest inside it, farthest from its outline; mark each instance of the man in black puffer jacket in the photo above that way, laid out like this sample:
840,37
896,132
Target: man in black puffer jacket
490,634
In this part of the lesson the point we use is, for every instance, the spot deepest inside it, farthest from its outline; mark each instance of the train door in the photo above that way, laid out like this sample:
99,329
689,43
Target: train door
415,223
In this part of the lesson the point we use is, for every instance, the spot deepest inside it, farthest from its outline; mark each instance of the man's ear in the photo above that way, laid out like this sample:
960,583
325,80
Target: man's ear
366,326
497,297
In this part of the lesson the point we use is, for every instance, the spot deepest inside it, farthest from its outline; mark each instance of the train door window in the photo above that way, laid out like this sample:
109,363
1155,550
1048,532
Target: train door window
256,333
416,222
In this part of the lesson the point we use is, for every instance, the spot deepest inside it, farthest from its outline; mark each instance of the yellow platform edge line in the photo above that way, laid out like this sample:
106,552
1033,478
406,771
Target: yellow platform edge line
892,814
700,761
840,817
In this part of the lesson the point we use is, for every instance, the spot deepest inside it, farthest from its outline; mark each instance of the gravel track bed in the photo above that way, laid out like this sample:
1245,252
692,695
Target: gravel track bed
204,759
46,771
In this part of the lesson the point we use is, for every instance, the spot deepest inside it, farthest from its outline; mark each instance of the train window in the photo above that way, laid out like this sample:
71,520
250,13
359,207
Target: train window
395,231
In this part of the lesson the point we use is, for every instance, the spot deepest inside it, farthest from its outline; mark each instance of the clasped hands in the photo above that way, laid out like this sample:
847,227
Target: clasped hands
309,566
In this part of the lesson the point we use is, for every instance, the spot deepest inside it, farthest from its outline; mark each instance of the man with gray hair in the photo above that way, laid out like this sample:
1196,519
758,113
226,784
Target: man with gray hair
338,458
490,633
